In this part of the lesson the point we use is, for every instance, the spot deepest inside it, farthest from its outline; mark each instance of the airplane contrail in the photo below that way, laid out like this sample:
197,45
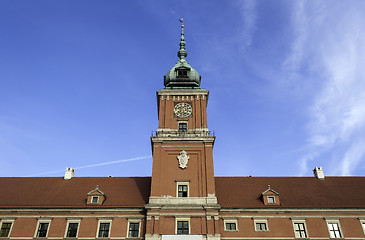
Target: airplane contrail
94,165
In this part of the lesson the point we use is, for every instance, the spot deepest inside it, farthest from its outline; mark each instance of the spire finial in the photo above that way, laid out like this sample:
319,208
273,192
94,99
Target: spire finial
182,52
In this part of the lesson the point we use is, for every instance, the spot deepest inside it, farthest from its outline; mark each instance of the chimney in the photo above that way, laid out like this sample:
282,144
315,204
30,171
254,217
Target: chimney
318,173
70,173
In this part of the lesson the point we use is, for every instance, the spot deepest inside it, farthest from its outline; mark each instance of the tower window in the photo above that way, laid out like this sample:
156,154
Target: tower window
182,191
182,227
182,73
183,127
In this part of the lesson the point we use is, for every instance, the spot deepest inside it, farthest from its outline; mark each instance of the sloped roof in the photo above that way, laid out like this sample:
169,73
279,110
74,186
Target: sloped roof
48,192
295,192
232,192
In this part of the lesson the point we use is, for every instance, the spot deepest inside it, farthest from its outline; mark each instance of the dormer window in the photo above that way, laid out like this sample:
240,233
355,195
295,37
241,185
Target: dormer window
182,73
95,197
270,197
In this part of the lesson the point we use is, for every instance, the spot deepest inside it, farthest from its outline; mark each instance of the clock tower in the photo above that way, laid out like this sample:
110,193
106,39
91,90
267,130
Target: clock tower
182,199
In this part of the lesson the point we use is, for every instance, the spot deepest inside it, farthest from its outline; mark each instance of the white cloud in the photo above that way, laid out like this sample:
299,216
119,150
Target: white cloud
353,157
248,8
329,37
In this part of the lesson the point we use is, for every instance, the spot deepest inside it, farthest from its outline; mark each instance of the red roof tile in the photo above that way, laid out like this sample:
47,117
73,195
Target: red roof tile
294,192
46,192
232,192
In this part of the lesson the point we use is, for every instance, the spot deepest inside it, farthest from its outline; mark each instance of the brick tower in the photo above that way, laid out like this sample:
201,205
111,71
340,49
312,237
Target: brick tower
182,200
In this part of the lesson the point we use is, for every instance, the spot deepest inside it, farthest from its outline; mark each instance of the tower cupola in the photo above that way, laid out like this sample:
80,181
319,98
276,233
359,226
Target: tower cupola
182,75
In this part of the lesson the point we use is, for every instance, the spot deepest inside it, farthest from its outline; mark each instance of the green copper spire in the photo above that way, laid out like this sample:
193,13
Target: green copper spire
182,53
182,75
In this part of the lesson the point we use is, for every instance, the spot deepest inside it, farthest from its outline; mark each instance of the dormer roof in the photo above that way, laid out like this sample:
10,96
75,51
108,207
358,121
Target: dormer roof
269,191
95,192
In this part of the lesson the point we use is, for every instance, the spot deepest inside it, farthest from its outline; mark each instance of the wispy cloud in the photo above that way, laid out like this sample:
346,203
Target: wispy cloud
249,16
329,38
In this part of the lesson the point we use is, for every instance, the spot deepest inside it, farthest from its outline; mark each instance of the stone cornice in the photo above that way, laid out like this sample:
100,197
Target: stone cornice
183,139
182,92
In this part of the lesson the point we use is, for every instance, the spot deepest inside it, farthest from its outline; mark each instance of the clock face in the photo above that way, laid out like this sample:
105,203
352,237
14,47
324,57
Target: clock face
183,110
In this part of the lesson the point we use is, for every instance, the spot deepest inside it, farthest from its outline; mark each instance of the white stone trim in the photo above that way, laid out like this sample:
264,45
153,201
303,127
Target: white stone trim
178,219
182,182
362,222
279,238
43,220
183,93
355,210
165,200
297,220
260,220
88,210
104,220
7,220
230,221
139,227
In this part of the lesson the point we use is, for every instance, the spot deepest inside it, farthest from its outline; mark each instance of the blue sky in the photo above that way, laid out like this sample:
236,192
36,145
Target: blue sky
78,82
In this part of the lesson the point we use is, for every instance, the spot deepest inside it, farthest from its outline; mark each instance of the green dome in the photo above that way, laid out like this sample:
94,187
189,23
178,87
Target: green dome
182,75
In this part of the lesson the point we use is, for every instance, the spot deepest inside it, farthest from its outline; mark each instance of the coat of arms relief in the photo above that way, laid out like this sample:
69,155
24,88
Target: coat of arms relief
183,159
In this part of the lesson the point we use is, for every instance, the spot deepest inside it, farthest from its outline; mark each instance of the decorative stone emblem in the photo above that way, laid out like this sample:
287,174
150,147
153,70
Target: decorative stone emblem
183,159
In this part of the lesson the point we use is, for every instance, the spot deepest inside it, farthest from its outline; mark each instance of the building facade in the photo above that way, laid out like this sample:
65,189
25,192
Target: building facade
183,199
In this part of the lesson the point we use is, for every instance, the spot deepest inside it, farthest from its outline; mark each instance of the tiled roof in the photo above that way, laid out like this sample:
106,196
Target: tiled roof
48,192
232,192
294,192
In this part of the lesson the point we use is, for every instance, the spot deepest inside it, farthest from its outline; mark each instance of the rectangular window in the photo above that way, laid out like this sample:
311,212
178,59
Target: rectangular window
182,191
182,227
231,226
104,230
133,231
95,200
183,127
260,226
299,230
334,230
270,199
182,73
5,229
72,230
42,230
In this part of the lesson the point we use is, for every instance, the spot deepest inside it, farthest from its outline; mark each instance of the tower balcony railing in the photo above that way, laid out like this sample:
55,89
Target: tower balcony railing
183,133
